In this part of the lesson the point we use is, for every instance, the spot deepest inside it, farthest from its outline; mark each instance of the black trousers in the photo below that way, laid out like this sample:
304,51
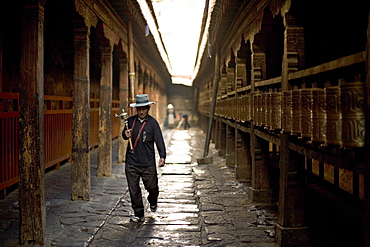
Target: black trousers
148,174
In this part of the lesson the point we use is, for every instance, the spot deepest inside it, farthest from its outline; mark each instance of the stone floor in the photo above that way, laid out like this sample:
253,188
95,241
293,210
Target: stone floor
199,205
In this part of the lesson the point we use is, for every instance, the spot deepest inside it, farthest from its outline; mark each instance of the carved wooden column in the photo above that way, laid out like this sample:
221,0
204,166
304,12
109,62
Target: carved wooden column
222,150
258,61
230,146
260,190
213,131
241,72
105,110
32,216
230,79
290,228
217,134
131,63
123,101
80,174
223,80
242,156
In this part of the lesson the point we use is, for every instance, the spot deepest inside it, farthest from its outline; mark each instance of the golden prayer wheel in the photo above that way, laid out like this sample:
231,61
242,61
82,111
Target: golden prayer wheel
296,112
255,107
318,115
333,116
248,108
305,106
268,110
276,111
353,114
238,108
286,112
263,108
259,110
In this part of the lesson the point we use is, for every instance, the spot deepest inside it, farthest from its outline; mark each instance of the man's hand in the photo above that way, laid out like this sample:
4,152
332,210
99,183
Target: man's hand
162,162
128,133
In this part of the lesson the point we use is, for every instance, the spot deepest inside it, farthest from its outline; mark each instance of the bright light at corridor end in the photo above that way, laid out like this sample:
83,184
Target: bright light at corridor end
185,80
179,26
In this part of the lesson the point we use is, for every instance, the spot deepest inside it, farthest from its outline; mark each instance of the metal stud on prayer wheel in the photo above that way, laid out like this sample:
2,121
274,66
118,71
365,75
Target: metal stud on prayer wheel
333,116
353,114
286,112
318,115
296,112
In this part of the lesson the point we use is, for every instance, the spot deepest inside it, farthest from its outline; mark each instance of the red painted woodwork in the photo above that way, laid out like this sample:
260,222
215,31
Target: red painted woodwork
57,133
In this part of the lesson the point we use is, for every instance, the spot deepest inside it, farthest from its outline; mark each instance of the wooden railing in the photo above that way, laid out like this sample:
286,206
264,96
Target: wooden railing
57,135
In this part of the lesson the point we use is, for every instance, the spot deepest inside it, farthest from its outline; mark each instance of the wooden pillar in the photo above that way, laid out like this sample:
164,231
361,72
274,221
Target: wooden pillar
217,133
242,156
260,190
105,110
223,82
258,60
230,79
131,64
222,133
80,174
32,216
290,228
213,132
241,72
123,101
230,146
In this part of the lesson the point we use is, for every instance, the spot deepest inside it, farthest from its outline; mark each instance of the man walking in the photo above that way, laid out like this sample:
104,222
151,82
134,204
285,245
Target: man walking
143,132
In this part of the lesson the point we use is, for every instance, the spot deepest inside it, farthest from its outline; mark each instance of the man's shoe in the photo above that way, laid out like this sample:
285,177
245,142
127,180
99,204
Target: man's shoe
153,208
137,219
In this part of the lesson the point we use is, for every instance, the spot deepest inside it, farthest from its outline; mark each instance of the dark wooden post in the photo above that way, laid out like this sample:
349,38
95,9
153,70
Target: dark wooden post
131,64
31,126
260,190
242,156
123,101
222,150
290,228
230,146
80,175
105,110
217,133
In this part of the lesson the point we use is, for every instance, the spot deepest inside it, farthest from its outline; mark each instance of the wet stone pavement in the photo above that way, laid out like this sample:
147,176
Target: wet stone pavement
199,205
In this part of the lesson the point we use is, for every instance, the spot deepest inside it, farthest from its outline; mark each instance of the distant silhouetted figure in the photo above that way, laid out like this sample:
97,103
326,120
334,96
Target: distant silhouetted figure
186,125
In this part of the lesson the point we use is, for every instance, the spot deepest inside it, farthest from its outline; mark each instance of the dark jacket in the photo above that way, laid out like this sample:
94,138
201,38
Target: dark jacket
144,154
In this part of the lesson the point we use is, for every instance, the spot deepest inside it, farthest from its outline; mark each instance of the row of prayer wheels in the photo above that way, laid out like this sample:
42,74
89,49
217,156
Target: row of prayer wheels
331,116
